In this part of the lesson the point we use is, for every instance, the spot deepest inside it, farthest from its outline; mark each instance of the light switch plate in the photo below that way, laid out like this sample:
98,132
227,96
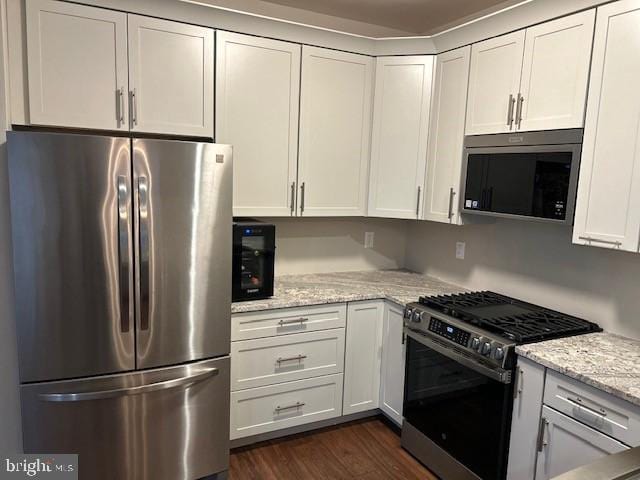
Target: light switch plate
368,239
460,246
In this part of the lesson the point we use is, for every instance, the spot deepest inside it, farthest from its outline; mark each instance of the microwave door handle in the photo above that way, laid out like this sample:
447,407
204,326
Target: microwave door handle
143,215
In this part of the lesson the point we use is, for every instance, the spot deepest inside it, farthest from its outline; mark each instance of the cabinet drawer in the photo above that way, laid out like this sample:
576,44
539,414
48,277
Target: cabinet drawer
593,407
246,326
267,361
265,409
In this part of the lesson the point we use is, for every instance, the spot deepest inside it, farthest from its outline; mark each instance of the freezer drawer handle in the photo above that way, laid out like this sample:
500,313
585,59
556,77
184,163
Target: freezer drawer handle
123,250
187,381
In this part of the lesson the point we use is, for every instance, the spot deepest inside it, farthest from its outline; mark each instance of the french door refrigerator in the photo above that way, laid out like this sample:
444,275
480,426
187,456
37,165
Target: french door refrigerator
122,258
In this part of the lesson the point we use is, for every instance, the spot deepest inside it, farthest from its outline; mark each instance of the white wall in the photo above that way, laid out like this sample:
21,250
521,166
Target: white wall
315,245
534,262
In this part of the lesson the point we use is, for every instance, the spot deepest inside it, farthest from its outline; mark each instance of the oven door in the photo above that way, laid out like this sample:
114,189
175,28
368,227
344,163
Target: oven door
462,407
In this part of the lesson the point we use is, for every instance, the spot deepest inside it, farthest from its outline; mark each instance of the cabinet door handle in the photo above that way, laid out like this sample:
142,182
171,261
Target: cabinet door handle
293,198
300,320
543,441
519,111
120,106
512,102
608,242
519,383
452,194
296,405
302,190
418,202
298,358
134,107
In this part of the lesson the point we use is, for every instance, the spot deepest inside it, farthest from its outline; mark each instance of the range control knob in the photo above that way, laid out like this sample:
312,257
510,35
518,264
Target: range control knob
475,343
485,349
416,317
408,312
498,354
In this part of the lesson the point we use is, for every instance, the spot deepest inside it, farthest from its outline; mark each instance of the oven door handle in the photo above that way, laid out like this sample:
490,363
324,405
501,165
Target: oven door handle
499,374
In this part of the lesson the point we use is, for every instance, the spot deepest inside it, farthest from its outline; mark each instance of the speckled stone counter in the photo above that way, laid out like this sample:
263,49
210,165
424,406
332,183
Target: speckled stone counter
398,286
603,360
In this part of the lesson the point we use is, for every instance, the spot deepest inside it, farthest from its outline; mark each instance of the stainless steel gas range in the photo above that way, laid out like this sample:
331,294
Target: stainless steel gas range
460,364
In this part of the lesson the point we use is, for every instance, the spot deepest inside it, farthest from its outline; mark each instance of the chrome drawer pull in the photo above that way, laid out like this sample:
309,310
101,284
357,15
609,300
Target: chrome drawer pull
299,358
289,407
300,320
609,242
600,414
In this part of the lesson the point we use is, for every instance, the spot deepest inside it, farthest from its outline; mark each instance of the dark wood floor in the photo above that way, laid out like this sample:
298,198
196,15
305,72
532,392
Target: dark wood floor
366,449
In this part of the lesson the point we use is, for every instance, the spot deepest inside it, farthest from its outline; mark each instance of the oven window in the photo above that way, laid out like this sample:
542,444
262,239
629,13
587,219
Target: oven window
253,262
465,413
530,184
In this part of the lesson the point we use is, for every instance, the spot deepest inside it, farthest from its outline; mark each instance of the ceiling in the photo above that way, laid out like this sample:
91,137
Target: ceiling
374,18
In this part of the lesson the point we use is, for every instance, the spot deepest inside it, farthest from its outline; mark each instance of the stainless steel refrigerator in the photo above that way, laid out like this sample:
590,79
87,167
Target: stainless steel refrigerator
122,258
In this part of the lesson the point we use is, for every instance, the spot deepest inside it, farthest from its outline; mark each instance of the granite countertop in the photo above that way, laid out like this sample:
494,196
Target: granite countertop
604,360
398,286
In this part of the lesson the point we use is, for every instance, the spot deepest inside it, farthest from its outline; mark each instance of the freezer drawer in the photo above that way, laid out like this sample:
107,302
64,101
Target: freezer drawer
165,424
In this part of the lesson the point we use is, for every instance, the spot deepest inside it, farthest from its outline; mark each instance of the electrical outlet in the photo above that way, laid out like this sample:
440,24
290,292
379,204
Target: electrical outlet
368,239
460,246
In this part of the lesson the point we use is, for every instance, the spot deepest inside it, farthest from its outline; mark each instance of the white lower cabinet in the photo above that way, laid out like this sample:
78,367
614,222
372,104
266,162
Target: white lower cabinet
362,356
267,361
568,444
265,409
393,357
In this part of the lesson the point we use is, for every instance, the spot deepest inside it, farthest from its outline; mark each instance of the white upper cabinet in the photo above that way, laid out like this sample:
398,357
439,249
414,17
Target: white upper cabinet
446,136
171,77
335,126
400,131
555,73
77,66
257,100
496,65
608,203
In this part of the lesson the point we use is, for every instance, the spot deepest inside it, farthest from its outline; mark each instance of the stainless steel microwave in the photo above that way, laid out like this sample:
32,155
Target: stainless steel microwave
529,175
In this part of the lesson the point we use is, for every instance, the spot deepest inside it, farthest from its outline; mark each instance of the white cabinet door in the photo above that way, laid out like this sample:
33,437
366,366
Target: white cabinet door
393,358
171,77
555,73
362,356
400,129
494,82
568,444
608,202
446,137
257,100
77,65
335,126
527,407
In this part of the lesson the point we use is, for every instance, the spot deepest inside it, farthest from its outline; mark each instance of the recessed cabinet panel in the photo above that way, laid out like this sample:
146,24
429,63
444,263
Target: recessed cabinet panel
393,359
555,73
77,66
171,73
257,99
335,125
496,65
400,131
446,136
608,202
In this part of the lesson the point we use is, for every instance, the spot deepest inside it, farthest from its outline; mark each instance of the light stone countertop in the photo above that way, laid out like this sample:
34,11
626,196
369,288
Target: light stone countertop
604,360
398,286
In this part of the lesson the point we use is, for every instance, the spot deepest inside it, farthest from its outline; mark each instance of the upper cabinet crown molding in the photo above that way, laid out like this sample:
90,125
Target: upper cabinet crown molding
171,77
608,202
399,140
533,79
257,103
335,125
446,135
77,65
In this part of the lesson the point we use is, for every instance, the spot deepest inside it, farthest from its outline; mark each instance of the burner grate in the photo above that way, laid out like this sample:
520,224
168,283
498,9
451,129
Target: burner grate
519,321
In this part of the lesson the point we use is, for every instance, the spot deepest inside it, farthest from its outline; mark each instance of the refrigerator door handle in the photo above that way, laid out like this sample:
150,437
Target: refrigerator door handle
185,381
124,253
143,215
